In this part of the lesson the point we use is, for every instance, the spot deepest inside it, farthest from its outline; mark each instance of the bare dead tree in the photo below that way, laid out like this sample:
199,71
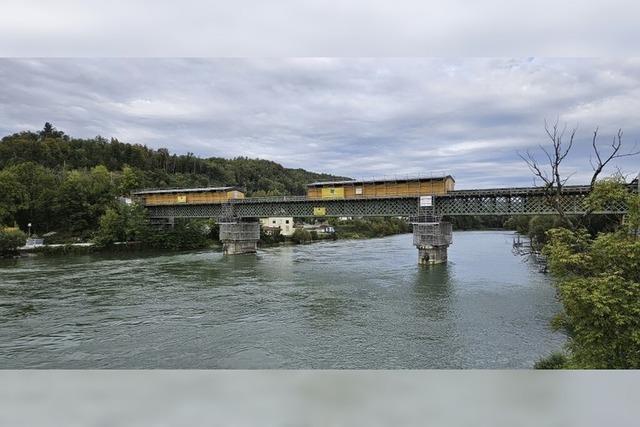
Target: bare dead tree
552,178
602,161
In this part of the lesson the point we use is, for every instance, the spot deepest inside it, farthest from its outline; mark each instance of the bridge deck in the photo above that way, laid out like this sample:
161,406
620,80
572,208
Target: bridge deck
497,201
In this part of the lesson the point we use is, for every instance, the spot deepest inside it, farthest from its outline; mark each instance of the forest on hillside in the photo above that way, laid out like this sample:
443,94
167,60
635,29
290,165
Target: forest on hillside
57,182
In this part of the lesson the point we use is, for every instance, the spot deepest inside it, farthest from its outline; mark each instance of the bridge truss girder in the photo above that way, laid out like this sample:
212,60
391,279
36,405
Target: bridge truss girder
476,204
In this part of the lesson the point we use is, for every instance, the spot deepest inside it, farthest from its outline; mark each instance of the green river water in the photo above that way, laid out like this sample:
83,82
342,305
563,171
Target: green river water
338,304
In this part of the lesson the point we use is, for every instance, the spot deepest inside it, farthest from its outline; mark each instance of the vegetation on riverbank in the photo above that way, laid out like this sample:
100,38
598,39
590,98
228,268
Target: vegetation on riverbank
71,186
469,222
129,224
368,227
64,184
10,240
596,267
358,228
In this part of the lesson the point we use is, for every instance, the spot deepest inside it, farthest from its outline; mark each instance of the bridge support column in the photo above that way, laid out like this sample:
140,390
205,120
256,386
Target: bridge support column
239,237
428,255
432,240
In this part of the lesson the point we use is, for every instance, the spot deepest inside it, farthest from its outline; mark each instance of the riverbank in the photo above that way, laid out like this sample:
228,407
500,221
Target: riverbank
199,234
71,249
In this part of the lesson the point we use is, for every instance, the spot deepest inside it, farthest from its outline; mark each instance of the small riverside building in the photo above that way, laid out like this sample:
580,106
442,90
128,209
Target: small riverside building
285,224
176,196
381,187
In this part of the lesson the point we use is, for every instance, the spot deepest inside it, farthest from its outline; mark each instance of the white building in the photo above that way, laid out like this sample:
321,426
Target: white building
284,223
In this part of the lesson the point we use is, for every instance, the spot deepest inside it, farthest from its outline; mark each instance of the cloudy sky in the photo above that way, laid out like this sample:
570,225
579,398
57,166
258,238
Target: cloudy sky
352,117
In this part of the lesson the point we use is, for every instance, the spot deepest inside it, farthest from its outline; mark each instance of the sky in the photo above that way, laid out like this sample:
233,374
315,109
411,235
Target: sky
295,28
345,116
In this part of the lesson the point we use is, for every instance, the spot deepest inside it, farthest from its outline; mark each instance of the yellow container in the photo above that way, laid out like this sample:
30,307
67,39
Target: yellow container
319,211
181,199
333,193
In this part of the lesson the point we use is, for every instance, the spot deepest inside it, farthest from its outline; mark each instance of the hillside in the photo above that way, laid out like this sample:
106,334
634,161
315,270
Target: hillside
58,182
56,151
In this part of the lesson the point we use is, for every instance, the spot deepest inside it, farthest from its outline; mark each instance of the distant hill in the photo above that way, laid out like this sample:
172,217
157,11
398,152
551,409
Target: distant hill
155,168
56,182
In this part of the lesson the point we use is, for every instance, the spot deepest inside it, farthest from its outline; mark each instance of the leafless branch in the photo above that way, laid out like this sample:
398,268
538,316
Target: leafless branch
616,153
551,175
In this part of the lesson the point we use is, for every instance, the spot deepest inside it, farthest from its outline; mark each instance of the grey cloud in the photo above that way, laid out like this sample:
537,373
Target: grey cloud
353,117
317,27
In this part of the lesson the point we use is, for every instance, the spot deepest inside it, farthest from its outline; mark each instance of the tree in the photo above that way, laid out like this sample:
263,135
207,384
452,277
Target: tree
551,176
66,184
186,234
122,223
603,160
33,189
598,282
83,197
12,193
599,285
597,278
50,132
300,235
130,180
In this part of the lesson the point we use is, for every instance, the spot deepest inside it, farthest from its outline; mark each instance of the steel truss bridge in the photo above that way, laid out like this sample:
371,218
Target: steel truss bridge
497,201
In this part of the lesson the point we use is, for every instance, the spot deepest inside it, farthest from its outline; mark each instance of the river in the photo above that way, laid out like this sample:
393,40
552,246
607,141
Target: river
338,304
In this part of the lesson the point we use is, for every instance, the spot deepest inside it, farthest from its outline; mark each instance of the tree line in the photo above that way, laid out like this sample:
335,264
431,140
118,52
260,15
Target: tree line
60,183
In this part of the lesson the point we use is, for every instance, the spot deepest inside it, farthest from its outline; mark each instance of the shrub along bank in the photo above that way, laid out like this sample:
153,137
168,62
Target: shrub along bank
10,240
598,283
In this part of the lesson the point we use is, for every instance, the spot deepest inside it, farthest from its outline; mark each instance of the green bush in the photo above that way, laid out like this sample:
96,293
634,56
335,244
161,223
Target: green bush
11,240
187,234
122,223
369,227
555,360
129,223
598,283
300,235
270,239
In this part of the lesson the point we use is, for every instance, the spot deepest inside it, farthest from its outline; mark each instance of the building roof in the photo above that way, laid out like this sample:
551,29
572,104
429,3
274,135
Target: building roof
383,179
186,190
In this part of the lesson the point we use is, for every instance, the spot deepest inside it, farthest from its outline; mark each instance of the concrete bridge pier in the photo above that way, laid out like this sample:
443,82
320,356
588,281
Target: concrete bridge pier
432,240
239,237
428,255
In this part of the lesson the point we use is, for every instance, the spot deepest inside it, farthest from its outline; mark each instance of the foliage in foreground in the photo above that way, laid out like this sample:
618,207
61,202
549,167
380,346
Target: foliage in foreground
553,361
598,282
599,286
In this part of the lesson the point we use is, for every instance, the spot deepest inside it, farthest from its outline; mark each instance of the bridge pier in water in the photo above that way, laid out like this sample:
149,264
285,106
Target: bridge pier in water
432,239
239,237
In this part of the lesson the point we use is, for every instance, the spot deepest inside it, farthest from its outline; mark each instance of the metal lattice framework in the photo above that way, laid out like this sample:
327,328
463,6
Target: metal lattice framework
501,201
